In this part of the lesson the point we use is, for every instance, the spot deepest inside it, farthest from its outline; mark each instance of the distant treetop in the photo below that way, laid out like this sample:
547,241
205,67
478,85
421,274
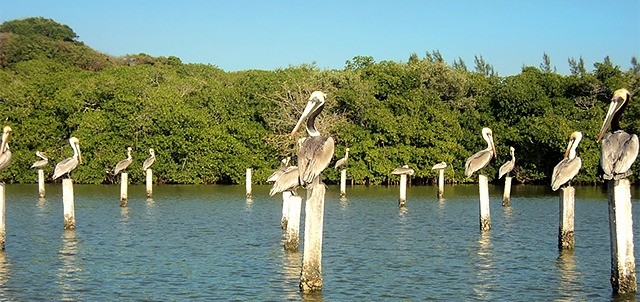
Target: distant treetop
39,26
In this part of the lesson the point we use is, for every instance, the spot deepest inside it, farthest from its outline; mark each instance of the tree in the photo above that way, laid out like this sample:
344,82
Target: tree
39,26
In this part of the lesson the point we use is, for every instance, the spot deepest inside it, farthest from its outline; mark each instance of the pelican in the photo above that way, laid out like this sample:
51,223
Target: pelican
42,162
403,170
619,148
288,180
123,164
5,154
316,150
149,161
438,166
68,164
508,166
568,167
482,158
342,163
284,164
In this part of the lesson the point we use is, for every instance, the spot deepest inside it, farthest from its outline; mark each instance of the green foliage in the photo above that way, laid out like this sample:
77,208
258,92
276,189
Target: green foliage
207,125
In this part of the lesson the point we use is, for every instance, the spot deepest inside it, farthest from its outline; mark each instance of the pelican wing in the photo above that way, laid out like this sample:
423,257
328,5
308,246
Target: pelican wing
148,162
438,166
564,171
288,180
41,163
477,161
123,164
618,152
314,156
65,166
5,159
506,168
341,163
402,170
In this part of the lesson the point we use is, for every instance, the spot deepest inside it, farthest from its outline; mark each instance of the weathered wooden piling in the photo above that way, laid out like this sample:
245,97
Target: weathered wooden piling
402,200
506,195
440,183
623,267
2,215
292,234
68,204
124,188
248,183
566,228
286,206
343,183
485,214
311,276
149,183
41,191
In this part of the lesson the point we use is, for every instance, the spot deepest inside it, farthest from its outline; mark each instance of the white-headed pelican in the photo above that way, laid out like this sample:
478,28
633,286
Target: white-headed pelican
68,164
507,167
42,162
342,163
482,158
568,167
123,164
149,161
5,154
403,170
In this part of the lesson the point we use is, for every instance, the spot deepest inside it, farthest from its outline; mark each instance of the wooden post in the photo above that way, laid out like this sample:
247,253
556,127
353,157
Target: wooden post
292,235
440,183
311,276
566,229
41,183
149,183
286,205
124,187
343,183
506,195
68,204
248,183
402,201
2,216
485,214
623,263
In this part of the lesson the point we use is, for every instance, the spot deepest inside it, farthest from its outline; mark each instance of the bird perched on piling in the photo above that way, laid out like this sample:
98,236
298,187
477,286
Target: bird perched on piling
342,163
42,162
70,163
123,164
5,153
284,164
569,166
149,161
619,149
507,167
439,166
403,170
481,158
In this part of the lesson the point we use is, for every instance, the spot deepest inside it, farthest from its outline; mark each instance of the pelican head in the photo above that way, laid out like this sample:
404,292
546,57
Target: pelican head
512,150
6,131
316,101
75,145
618,102
129,151
574,140
487,134
151,152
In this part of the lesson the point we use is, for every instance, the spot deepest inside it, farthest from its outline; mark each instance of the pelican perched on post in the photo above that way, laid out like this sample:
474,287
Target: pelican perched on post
481,158
316,150
68,164
147,162
619,148
507,167
284,164
403,170
439,166
42,162
288,180
123,164
342,163
5,154
568,167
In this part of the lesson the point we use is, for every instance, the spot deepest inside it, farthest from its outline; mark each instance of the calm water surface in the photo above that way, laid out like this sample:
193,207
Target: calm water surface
209,242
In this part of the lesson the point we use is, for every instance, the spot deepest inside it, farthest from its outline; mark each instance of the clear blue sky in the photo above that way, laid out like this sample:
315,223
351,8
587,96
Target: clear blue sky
259,34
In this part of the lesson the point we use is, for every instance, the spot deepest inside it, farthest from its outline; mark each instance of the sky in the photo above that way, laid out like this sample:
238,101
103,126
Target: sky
262,34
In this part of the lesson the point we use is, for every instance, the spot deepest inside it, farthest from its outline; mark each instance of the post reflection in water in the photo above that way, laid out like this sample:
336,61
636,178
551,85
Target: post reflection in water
485,275
5,271
568,284
150,201
249,204
68,276
291,267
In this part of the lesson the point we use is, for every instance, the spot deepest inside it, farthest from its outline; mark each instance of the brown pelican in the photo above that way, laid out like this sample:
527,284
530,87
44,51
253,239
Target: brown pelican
508,166
342,163
41,163
619,148
403,170
316,150
568,167
123,164
5,154
288,180
438,166
149,161
482,158
68,164
284,164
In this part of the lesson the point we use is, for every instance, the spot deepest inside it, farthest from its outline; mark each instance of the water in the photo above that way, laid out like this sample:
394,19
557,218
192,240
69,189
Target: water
209,242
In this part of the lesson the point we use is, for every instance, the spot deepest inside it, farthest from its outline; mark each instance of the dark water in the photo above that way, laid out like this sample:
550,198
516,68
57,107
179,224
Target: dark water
209,243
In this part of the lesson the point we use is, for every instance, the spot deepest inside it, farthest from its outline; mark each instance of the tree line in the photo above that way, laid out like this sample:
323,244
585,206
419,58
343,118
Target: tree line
208,125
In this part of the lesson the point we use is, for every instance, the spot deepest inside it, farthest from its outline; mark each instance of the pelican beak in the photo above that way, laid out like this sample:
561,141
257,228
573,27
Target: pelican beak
493,147
79,153
566,153
615,105
310,106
